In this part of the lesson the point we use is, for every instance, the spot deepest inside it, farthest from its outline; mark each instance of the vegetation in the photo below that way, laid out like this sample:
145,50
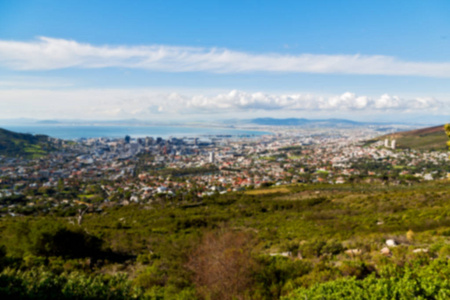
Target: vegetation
413,281
447,131
23,145
318,241
432,138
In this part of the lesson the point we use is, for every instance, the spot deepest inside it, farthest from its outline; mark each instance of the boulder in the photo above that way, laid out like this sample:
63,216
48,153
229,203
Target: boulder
391,243
386,251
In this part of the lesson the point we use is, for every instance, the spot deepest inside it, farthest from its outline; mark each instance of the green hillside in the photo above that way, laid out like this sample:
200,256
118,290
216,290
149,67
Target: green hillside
15,144
299,242
432,138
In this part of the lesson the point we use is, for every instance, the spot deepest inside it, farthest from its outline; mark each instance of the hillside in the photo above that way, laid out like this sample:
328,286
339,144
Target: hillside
15,144
291,242
432,138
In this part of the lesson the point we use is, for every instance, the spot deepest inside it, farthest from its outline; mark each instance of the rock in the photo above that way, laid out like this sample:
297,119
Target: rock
353,252
391,243
284,254
386,251
424,250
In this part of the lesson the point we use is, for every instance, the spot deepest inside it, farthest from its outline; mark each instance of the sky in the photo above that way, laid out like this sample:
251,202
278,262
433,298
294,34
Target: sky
219,60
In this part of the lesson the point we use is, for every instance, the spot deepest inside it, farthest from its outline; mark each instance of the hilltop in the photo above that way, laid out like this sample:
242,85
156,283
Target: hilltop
25,145
431,138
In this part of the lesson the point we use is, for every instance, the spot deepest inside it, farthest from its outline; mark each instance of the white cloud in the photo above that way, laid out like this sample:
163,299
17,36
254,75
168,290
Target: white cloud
148,104
33,83
49,54
238,100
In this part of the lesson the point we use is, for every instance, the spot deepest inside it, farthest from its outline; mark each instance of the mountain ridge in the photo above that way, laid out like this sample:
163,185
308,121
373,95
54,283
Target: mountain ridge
14,144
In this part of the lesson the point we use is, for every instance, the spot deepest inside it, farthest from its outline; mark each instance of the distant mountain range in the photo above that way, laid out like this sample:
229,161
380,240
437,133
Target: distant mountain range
227,122
303,122
23,145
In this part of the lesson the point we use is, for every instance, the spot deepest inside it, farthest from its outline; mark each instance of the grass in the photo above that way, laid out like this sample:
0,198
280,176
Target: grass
296,157
268,191
25,145
432,141
433,138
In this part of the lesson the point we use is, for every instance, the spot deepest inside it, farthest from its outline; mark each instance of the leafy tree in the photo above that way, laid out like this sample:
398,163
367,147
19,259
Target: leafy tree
447,131
222,265
53,238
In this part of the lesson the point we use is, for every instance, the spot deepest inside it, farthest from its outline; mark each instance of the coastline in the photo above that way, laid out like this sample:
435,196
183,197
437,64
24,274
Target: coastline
76,131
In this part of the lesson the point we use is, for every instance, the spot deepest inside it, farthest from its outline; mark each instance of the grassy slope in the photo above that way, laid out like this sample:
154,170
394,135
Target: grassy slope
347,213
358,216
433,138
25,145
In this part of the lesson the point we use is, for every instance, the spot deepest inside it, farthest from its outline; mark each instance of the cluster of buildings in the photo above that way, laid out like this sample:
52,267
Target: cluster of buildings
143,170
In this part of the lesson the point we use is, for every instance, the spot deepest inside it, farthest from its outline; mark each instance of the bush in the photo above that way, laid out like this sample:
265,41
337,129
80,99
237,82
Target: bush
275,274
316,248
38,284
53,238
2,252
312,248
222,265
356,269
332,247
411,282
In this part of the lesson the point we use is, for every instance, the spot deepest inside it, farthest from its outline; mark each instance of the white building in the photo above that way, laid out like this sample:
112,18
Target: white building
393,144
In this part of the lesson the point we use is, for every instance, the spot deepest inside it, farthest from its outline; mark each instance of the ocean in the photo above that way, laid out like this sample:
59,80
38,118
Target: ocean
70,132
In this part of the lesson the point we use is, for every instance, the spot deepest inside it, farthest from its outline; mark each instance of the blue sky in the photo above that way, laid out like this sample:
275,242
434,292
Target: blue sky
202,60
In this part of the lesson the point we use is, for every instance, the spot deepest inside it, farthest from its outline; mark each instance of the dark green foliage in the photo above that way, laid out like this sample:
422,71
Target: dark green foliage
23,145
276,275
181,172
53,238
317,248
38,284
356,268
411,282
447,132
315,223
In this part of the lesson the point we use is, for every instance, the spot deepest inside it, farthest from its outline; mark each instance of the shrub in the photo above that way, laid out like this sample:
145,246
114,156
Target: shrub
274,276
316,248
356,269
332,247
222,265
410,235
53,238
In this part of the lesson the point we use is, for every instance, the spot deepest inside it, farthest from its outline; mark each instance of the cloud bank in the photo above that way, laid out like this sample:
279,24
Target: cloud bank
46,53
140,103
238,100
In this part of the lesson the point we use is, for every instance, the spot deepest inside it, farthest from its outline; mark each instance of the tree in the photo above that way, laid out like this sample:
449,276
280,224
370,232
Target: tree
223,265
53,238
447,131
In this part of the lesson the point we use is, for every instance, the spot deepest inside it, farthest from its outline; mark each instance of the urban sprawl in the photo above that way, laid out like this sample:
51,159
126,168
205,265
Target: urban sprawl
88,174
